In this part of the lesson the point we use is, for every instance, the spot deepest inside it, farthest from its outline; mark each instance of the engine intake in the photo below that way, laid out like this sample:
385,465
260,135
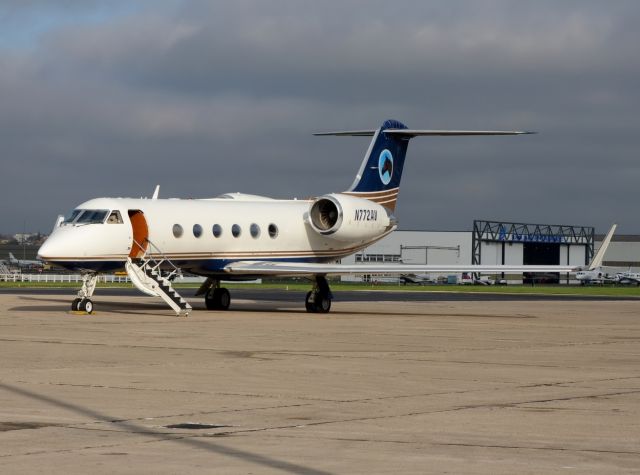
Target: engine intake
326,215
349,218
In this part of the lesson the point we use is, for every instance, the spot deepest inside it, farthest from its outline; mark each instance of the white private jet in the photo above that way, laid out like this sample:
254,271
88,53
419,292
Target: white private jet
21,263
243,237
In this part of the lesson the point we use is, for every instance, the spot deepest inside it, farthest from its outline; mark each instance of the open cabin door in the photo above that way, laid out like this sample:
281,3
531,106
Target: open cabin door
140,234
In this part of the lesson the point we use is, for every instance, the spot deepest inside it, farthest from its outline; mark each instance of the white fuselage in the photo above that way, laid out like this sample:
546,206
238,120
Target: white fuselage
268,230
595,275
25,262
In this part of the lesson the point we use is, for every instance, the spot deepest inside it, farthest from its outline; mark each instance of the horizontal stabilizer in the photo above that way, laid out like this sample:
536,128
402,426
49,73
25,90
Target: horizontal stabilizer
416,133
348,133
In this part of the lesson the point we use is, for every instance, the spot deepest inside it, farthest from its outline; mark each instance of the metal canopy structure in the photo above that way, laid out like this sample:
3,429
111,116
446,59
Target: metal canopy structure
505,232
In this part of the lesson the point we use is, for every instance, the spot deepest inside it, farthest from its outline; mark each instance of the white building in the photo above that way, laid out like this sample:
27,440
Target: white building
501,243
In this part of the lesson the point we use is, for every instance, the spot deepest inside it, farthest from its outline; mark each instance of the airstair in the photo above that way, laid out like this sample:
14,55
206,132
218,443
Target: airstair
4,270
147,274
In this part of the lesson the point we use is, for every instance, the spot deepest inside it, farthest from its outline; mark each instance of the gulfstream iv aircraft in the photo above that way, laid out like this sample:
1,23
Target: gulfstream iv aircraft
244,237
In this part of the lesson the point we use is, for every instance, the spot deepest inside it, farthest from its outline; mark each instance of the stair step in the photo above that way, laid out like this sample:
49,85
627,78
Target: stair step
155,282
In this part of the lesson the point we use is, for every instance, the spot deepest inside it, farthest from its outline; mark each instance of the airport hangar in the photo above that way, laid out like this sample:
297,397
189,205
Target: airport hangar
499,242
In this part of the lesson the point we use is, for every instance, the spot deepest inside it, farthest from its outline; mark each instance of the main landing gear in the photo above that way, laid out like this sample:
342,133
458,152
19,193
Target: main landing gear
215,297
318,299
83,303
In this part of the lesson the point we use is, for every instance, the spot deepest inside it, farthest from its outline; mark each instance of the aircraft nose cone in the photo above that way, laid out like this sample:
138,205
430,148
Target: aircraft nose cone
45,250
51,248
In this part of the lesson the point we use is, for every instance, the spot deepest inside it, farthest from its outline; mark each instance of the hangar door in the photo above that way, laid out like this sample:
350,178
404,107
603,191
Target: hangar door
535,253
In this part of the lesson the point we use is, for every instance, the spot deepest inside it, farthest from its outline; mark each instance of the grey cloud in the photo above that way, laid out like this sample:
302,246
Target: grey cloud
167,92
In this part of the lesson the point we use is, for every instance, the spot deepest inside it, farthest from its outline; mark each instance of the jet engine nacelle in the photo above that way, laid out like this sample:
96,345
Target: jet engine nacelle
348,218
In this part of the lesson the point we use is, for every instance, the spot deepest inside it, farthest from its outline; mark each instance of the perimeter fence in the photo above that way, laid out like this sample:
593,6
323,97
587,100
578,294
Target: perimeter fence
61,278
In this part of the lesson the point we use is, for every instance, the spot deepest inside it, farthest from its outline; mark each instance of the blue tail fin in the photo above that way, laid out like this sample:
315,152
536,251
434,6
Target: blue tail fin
379,176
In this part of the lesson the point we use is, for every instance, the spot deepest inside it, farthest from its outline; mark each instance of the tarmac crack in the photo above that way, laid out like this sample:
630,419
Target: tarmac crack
72,449
102,386
339,401
570,398
529,447
209,393
376,355
460,444
84,426
560,383
439,411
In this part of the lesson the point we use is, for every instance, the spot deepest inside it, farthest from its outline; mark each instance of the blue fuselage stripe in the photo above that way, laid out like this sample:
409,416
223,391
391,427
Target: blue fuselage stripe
194,266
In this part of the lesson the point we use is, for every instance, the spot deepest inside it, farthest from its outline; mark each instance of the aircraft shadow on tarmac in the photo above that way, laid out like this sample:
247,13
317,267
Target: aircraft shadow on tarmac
192,440
149,310
265,307
289,303
63,305
133,307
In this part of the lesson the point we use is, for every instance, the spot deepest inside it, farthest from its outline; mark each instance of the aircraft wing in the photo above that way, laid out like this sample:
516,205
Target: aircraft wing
292,268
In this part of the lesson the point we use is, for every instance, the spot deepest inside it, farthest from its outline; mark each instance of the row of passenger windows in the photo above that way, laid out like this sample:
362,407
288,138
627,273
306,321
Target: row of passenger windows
236,230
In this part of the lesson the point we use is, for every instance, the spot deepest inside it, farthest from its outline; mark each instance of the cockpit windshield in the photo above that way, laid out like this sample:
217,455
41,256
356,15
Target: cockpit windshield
72,216
89,216
92,216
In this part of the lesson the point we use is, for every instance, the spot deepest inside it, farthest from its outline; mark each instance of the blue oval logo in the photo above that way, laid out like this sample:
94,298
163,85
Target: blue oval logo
385,166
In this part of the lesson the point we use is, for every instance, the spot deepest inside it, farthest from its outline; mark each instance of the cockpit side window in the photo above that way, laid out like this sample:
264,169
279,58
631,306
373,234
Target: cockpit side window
114,218
92,216
72,216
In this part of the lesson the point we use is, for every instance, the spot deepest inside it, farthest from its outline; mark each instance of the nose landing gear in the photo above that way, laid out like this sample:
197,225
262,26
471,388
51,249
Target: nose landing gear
83,303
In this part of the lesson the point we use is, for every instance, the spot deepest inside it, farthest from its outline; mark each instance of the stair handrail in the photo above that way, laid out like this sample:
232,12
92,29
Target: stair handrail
157,263
3,268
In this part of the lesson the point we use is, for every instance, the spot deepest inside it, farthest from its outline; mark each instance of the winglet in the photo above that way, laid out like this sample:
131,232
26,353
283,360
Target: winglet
156,192
597,259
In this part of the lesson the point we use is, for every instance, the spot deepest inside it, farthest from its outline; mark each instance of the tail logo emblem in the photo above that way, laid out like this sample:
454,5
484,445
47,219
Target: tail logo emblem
385,166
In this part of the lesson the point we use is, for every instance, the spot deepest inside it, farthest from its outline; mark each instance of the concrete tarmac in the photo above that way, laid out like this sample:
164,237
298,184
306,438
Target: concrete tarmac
374,387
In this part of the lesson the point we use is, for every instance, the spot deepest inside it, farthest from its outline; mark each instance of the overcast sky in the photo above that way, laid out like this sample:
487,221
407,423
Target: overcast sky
110,99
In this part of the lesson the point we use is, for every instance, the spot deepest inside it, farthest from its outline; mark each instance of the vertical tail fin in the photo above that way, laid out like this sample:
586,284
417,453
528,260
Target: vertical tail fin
597,259
379,176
